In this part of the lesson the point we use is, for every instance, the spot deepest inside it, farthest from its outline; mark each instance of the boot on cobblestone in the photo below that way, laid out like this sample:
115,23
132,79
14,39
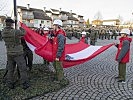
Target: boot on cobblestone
122,81
25,85
10,85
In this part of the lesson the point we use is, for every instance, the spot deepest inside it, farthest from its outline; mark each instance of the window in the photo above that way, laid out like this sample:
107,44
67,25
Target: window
42,22
35,21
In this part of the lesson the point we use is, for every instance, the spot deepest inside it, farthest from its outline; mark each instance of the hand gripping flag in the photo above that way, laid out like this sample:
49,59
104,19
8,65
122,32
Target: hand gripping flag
76,53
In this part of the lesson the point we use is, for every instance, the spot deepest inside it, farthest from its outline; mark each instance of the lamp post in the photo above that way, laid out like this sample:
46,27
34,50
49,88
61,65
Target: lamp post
15,13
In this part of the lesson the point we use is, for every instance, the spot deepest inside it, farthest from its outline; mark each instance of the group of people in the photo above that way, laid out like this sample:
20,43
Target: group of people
18,52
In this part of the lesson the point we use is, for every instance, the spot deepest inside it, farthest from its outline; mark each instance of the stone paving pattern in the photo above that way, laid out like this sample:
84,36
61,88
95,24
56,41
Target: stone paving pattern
95,79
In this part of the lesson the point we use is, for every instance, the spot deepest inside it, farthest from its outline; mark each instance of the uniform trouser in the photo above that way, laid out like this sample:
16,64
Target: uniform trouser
115,36
59,70
28,55
108,36
122,71
12,61
0,38
92,41
46,62
102,36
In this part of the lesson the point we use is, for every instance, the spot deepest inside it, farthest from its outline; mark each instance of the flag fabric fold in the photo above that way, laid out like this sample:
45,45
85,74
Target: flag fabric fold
77,52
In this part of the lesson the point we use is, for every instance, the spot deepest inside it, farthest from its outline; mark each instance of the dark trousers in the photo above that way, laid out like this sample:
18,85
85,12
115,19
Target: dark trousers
28,55
92,41
13,61
122,71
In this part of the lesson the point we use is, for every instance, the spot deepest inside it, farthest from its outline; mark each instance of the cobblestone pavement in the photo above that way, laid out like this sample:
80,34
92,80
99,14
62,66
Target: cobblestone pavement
95,79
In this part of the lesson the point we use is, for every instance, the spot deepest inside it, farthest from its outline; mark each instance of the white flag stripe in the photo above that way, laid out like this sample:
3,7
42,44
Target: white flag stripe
84,53
32,48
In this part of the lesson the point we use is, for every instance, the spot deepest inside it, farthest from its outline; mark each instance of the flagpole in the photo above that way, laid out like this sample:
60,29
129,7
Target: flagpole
15,13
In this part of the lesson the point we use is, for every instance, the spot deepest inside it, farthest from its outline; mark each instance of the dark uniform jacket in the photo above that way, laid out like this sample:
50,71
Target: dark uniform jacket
12,38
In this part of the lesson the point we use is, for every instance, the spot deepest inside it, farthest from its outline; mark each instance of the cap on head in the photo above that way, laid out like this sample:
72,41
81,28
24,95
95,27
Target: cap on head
84,33
57,22
125,31
46,29
9,20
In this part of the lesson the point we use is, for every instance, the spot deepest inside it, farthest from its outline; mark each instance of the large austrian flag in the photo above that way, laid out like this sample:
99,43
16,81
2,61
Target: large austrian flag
76,53
84,55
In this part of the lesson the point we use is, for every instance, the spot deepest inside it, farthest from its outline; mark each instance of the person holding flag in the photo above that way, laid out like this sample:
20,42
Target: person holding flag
15,55
59,39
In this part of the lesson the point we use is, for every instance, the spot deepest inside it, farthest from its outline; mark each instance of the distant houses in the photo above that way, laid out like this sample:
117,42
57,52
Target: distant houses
110,22
33,17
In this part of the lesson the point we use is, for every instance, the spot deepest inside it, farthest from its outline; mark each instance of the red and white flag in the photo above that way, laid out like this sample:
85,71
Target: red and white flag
77,53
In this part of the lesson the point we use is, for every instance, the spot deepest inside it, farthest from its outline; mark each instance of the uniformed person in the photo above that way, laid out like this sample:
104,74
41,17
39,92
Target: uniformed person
0,36
15,57
28,55
93,36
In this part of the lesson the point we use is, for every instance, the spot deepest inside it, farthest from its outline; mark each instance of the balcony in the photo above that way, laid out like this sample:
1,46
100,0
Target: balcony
64,17
65,23
81,20
24,16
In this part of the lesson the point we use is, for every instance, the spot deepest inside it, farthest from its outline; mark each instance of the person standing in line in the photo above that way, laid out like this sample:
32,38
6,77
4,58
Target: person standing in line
83,37
59,39
123,54
15,57
93,36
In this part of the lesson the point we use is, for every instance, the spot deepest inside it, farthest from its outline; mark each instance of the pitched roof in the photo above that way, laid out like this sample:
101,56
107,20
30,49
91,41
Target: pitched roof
48,11
41,15
80,16
54,11
72,18
64,12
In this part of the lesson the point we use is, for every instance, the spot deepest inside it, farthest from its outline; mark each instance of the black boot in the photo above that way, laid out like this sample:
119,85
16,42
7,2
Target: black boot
25,85
10,85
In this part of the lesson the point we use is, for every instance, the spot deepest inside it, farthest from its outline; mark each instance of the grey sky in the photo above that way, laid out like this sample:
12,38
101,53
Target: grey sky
110,9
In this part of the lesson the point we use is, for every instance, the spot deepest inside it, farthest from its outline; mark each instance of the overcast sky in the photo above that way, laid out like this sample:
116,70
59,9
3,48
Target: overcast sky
109,9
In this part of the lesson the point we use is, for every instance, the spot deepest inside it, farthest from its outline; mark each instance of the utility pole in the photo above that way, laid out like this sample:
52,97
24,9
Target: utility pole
15,13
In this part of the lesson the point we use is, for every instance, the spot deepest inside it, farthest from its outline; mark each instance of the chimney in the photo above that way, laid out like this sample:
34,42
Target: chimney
28,6
44,8
60,9
70,12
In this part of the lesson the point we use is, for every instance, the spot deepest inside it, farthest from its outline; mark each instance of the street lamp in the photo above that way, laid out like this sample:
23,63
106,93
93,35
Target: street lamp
15,13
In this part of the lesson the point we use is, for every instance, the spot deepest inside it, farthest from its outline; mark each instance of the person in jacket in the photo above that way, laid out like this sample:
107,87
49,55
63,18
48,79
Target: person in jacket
123,54
15,57
45,31
59,40
83,37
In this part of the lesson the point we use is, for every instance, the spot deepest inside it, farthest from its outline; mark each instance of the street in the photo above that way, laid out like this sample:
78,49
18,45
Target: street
93,80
